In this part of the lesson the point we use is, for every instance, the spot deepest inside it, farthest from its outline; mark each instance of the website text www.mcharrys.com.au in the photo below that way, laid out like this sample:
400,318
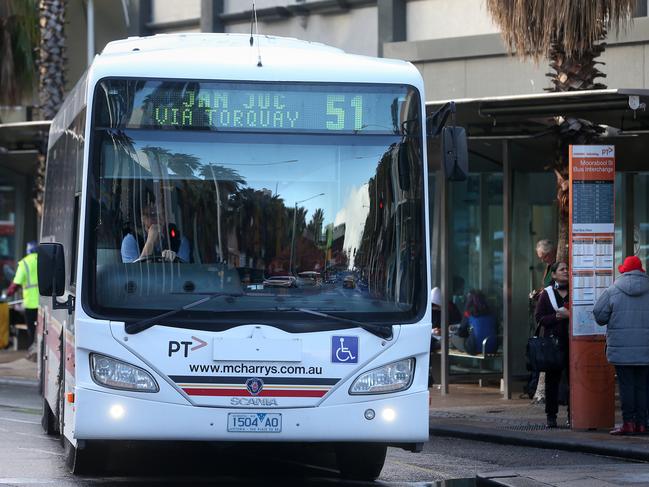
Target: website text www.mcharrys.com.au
256,369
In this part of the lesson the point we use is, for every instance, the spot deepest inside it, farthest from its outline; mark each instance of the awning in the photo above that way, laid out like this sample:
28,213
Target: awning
528,121
20,143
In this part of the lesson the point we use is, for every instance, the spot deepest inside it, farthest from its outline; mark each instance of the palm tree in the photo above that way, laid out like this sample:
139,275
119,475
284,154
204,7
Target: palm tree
52,59
314,227
18,41
568,33
51,76
227,180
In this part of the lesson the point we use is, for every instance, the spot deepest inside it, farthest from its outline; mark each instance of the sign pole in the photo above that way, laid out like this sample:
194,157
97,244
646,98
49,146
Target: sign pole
592,251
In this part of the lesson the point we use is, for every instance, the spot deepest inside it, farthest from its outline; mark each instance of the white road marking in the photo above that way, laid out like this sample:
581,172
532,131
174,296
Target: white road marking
31,435
11,420
59,454
20,481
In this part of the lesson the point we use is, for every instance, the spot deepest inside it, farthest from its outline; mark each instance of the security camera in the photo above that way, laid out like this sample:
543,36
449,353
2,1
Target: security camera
634,102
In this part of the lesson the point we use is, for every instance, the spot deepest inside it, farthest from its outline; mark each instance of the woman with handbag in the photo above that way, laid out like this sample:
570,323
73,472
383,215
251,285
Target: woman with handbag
553,318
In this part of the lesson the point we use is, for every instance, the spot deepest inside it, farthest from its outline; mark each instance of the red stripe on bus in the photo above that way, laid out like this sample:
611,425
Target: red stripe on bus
53,339
70,353
239,392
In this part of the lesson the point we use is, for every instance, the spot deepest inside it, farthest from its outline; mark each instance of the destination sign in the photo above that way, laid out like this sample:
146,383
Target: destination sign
273,107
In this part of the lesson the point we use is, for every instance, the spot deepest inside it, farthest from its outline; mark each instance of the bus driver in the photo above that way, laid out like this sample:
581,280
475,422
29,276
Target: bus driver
131,245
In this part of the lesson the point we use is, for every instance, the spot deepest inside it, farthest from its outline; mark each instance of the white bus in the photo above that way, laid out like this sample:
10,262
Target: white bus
184,173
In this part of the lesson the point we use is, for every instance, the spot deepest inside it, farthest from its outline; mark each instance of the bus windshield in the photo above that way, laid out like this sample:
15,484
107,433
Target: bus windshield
273,197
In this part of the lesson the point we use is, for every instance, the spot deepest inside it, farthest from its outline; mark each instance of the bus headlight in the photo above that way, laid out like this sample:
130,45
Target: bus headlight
393,377
113,373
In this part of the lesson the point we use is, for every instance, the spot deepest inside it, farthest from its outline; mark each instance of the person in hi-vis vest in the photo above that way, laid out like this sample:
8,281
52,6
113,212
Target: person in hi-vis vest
27,278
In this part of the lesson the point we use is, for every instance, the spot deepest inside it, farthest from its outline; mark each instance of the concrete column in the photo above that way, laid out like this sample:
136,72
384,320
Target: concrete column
139,14
392,22
211,11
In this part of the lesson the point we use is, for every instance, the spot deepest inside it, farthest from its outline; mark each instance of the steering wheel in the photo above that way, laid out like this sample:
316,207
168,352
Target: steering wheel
158,259
150,258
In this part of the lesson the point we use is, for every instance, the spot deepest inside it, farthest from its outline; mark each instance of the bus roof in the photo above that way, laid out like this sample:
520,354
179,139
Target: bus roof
204,56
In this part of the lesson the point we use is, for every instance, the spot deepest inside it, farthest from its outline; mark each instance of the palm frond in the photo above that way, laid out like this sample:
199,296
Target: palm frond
530,27
18,40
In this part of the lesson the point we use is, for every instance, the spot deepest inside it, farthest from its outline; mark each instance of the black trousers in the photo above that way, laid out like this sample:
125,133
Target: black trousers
632,381
31,315
552,383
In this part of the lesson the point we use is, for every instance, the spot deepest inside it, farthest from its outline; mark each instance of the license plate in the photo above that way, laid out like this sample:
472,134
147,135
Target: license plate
254,422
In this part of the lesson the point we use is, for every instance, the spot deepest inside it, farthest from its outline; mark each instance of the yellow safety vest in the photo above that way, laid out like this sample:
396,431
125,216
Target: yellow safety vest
27,278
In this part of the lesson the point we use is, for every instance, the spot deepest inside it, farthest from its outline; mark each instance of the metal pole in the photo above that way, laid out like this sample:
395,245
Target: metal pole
290,265
444,277
91,31
507,271
628,232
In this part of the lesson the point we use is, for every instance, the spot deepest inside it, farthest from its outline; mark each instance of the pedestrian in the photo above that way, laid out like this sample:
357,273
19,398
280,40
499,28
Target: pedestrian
624,309
477,325
546,252
27,278
553,316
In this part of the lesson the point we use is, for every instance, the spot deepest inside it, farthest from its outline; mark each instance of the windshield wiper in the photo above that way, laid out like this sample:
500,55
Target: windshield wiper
381,331
138,326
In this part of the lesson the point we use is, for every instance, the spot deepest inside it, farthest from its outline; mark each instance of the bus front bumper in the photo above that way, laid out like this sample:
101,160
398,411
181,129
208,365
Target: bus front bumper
396,419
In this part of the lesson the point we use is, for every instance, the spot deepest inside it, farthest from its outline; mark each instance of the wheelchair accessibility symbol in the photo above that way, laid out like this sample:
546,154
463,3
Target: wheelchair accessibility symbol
344,350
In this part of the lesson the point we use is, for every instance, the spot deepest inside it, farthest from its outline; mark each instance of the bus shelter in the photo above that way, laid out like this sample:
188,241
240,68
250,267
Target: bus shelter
484,229
20,146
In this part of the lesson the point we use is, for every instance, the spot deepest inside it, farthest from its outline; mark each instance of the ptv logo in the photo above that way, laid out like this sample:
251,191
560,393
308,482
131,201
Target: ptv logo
175,346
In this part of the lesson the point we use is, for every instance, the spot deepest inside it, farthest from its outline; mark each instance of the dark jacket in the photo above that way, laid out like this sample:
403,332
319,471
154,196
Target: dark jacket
624,307
546,316
475,329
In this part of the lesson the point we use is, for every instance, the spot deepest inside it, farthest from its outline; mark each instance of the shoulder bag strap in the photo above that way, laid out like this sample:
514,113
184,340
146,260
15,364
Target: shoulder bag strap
553,298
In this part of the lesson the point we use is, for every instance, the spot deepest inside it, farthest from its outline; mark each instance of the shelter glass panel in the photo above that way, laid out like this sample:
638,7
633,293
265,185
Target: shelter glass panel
476,251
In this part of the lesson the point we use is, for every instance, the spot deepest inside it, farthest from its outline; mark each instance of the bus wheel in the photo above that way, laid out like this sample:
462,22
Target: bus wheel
360,461
48,421
83,461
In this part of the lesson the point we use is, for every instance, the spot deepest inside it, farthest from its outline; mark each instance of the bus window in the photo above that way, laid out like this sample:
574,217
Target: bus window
203,194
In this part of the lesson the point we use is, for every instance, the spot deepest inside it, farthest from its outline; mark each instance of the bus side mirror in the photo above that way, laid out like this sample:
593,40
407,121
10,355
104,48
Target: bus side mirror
51,269
404,167
455,153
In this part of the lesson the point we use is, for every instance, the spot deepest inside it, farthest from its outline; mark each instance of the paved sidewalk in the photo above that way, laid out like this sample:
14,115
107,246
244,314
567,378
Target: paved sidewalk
472,412
574,476
481,413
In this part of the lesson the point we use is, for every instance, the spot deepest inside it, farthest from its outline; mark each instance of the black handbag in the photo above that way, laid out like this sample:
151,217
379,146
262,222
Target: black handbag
544,354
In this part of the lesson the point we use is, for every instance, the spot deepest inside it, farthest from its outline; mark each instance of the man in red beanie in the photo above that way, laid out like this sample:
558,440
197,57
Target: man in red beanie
624,307
631,263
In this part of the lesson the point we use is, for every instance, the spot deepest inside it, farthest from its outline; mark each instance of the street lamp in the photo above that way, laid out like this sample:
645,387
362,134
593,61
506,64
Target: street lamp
290,265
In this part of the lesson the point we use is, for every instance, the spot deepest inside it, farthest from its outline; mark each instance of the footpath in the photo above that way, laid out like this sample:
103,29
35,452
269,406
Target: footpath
480,413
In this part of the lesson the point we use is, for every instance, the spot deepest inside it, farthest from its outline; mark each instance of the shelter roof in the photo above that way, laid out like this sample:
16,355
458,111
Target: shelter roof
20,143
529,123
532,115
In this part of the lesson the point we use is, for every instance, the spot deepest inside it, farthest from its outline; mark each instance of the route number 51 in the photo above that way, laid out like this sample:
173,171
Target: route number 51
337,107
